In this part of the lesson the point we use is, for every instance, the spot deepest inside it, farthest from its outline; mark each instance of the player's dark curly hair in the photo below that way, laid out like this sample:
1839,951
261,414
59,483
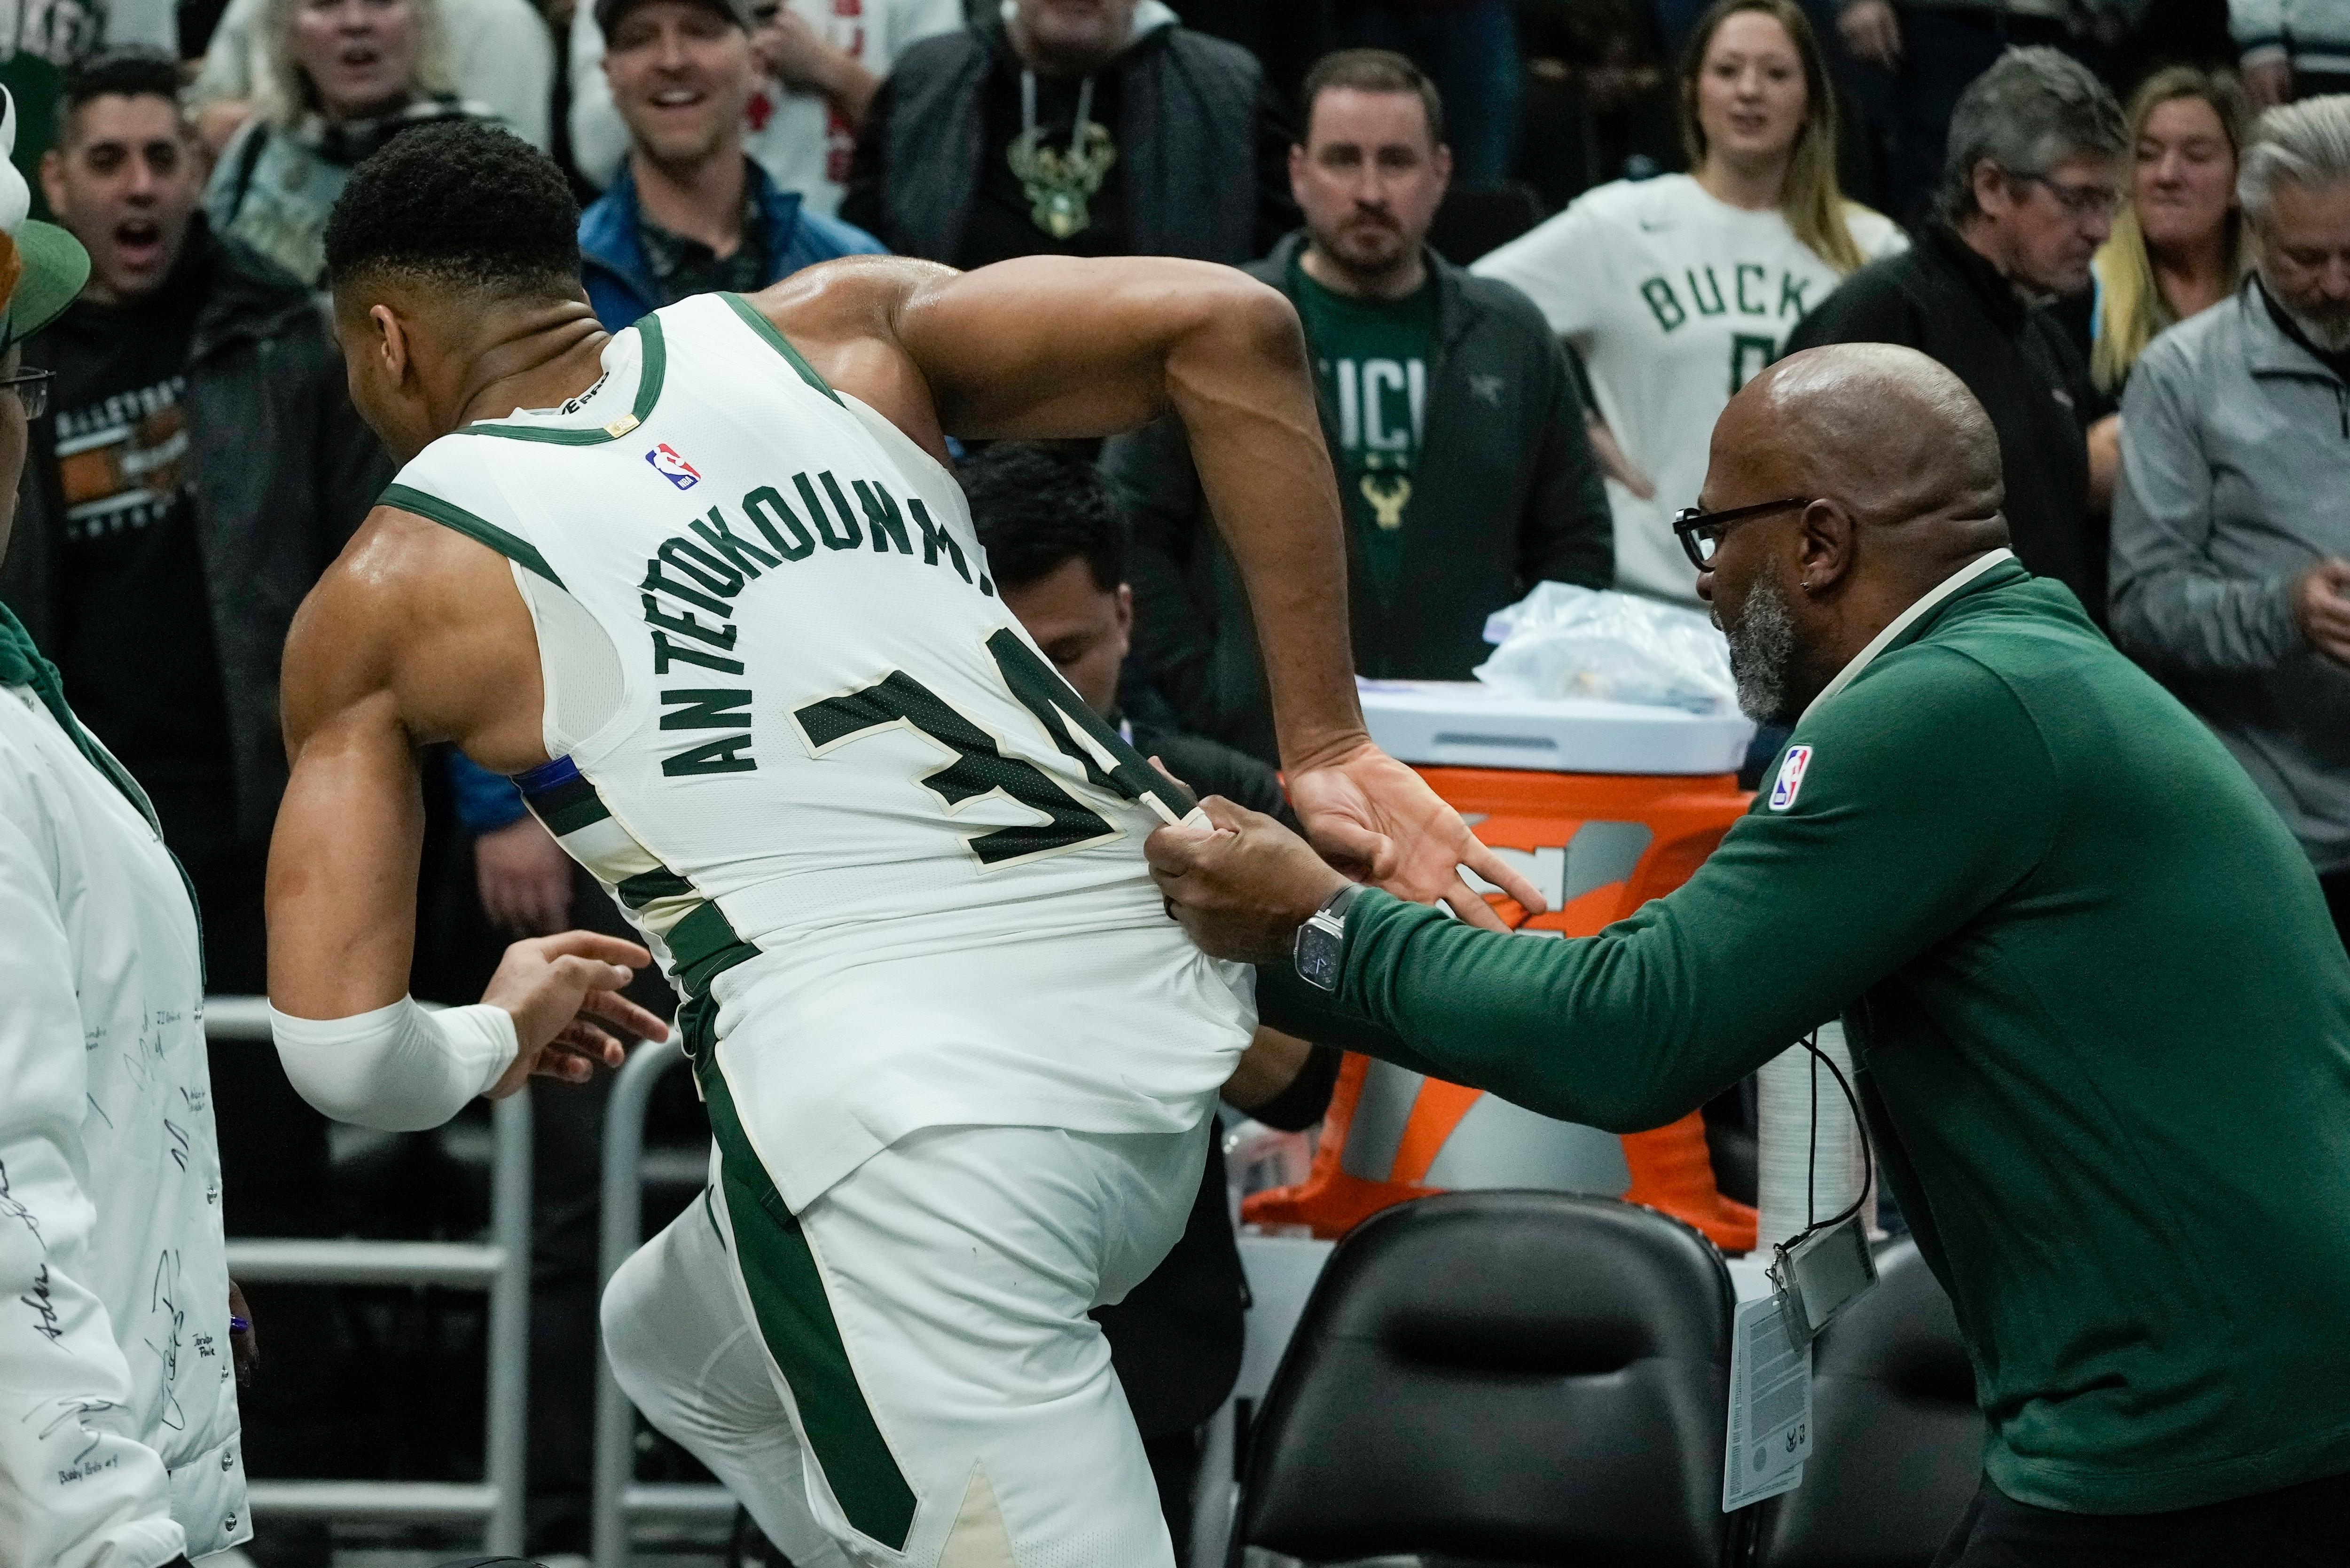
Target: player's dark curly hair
1036,506
458,203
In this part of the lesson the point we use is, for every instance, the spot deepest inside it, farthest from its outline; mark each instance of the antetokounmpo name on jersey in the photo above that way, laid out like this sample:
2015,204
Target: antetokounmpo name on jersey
704,568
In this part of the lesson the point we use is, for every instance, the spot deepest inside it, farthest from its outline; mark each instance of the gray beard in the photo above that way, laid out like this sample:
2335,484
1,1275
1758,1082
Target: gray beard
1762,652
2334,336
2329,333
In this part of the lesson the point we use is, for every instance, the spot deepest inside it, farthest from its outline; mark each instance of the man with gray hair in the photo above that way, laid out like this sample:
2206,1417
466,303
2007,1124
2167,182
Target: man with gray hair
2029,189
2231,524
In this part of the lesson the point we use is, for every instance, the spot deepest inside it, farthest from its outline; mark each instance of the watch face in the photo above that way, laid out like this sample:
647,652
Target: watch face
1317,955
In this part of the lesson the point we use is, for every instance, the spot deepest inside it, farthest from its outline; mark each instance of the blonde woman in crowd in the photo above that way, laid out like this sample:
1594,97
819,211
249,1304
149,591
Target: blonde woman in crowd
500,54
345,77
1675,290
2180,245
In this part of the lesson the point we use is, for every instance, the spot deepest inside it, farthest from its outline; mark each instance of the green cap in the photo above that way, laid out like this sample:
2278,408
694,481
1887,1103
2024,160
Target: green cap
56,268
55,264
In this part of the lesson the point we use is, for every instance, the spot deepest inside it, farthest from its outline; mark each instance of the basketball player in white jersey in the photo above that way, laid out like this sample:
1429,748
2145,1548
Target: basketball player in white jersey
708,590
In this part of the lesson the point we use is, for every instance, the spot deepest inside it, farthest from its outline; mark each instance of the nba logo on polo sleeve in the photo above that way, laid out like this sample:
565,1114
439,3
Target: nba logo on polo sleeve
1792,768
673,468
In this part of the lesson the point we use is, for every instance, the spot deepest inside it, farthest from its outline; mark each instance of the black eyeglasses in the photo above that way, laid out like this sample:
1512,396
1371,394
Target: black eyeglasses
1700,531
2078,200
32,390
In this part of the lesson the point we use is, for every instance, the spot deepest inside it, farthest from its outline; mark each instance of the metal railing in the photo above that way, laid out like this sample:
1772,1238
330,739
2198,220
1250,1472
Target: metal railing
619,1497
501,1267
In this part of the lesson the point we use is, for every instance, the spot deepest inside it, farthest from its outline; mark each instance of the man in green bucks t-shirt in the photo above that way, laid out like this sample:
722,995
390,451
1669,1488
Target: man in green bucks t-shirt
2102,1019
1371,353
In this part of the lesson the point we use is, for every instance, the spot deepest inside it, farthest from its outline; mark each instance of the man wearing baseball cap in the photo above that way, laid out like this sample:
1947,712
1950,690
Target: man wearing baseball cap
120,1444
690,211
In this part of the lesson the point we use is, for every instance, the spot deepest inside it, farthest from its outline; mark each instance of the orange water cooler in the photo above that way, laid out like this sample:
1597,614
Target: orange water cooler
1604,806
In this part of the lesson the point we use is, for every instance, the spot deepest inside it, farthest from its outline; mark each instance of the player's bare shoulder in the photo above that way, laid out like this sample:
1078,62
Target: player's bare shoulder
843,318
416,610
854,297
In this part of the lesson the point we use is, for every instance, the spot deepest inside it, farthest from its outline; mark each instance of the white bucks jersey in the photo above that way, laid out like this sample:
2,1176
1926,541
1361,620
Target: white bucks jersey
891,860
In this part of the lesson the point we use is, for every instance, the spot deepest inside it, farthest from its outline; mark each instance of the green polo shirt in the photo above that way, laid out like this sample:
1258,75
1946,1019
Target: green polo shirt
2103,1021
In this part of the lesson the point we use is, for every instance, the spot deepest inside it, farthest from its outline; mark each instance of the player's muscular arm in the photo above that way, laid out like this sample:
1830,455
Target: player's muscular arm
342,862
1051,347
405,641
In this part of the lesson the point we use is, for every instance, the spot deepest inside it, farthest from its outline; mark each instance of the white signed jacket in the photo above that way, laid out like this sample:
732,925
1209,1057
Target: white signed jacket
118,1438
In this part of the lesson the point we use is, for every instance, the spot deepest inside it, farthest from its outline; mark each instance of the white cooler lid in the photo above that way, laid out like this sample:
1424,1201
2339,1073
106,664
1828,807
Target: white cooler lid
1467,724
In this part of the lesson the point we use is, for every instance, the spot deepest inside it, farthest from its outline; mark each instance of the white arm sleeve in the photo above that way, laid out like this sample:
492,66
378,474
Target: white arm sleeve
399,1068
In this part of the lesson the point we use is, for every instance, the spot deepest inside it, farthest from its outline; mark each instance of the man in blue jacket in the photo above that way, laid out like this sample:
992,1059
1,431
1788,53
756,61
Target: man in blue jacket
690,211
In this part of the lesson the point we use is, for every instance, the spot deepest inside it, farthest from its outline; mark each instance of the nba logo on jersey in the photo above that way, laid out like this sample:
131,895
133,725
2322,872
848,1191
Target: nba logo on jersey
1791,777
673,468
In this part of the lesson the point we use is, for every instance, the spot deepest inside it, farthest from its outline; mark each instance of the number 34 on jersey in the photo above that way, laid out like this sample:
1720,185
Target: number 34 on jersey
705,567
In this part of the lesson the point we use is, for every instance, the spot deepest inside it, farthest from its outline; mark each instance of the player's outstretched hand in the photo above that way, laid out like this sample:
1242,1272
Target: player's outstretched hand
1376,819
1242,884
562,990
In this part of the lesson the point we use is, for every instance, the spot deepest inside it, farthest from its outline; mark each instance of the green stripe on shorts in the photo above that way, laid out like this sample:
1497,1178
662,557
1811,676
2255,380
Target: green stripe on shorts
796,1319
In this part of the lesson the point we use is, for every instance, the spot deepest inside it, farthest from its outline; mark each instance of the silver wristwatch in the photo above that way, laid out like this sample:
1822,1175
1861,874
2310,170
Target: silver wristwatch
1322,940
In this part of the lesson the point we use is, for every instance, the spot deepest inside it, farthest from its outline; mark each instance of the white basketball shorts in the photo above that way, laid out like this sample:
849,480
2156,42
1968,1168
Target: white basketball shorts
903,1374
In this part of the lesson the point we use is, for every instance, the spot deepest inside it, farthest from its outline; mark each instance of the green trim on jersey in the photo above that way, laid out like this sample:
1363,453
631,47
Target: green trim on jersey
796,1321
655,365
644,887
569,807
481,530
703,942
703,946
779,343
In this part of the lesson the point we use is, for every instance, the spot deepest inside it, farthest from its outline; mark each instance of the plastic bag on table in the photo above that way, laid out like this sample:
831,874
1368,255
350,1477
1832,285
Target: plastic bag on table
1565,641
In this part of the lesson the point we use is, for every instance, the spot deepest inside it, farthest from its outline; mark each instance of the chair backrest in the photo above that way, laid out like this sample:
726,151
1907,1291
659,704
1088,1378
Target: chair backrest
1896,1440
1505,1377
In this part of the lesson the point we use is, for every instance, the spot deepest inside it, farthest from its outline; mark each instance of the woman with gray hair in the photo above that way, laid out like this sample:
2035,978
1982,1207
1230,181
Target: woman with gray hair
345,77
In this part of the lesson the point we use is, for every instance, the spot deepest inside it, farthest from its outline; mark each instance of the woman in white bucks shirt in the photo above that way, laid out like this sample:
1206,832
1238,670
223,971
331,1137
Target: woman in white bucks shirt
1676,290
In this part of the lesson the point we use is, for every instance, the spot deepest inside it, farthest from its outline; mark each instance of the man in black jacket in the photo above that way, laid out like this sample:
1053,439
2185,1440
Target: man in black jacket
1073,129
200,466
2034,175
1447,406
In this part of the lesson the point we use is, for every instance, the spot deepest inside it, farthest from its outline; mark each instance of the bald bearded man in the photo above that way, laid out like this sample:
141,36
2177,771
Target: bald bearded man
2102,1021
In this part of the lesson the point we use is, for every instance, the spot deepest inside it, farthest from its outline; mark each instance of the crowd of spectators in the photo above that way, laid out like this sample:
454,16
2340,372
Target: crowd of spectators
1535,245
